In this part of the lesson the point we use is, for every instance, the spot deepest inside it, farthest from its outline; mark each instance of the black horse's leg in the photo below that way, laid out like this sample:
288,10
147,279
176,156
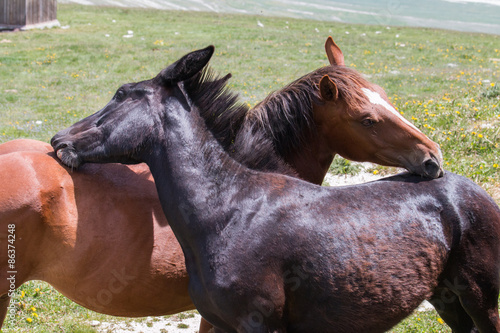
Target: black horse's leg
478,282
448,306
269,325
467,295
482,305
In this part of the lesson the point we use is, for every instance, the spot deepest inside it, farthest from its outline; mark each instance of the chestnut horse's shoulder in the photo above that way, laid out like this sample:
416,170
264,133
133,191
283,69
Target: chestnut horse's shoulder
30,177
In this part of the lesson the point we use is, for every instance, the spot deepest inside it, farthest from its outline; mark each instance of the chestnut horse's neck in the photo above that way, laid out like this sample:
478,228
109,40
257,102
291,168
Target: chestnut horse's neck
278,135
286,118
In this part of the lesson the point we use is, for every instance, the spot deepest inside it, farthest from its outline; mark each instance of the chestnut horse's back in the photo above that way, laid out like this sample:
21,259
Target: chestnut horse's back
20,145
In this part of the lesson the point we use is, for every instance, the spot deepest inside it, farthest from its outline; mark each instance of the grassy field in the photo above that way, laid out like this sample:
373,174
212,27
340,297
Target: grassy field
471,16
447,83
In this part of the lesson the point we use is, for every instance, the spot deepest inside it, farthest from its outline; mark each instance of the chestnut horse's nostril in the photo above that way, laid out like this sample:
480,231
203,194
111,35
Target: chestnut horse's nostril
432,168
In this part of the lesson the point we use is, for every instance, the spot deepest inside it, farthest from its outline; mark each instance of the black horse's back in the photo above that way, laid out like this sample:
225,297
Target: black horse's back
468,288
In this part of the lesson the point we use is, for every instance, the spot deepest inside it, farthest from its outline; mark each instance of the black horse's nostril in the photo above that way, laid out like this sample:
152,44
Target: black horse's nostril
61,146
58,145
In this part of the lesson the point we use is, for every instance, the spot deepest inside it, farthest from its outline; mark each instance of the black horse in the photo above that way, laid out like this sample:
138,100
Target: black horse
270,253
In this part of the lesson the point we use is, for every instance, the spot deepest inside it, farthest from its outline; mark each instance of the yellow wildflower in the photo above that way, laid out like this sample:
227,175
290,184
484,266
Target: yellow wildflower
29,320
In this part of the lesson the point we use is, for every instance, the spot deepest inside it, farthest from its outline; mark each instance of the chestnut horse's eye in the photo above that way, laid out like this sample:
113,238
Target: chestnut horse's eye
368,122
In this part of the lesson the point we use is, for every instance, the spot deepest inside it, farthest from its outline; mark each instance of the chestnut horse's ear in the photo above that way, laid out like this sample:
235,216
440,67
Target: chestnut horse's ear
334,53
328,89
186,67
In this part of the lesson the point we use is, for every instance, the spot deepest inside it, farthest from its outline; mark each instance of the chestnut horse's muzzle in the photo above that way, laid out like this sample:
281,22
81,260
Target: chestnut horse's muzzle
432,168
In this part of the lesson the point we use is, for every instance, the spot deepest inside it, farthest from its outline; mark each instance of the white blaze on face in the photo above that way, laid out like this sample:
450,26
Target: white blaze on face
375,98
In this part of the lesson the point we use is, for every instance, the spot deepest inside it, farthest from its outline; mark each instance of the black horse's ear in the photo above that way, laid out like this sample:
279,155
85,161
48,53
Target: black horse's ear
186,67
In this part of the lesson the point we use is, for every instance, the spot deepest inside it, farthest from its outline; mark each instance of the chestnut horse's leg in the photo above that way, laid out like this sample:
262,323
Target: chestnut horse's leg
205,326
4,305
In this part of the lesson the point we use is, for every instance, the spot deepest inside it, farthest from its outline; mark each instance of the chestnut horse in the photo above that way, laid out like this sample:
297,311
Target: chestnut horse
79,223
267,252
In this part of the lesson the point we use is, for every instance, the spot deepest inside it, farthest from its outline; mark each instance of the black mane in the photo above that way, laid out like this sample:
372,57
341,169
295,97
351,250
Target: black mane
217,105
225,117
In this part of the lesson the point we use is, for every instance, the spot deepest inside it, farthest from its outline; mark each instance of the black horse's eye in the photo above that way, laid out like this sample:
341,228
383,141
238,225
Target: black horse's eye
120,95
368,122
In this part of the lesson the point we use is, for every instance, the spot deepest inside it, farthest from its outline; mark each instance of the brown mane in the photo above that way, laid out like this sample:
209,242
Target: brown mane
278,116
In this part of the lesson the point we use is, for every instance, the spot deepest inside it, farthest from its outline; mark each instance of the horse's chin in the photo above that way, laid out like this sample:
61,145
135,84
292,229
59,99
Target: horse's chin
69,157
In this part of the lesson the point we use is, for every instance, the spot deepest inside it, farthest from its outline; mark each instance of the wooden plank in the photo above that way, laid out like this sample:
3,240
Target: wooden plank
39,11
13,12
32,9
21,13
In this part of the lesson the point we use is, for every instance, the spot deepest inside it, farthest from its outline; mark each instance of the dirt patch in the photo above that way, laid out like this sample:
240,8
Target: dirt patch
187,322
495,193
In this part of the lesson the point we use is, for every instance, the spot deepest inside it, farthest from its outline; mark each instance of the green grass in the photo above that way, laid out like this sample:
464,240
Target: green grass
448,83
40,308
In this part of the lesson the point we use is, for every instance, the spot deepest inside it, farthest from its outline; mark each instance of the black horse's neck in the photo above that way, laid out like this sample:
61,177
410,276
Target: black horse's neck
194,176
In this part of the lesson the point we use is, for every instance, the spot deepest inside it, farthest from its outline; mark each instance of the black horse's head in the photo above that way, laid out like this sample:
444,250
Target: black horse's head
117,132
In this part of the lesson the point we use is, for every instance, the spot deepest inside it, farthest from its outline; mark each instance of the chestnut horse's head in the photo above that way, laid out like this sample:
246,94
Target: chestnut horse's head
361,124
